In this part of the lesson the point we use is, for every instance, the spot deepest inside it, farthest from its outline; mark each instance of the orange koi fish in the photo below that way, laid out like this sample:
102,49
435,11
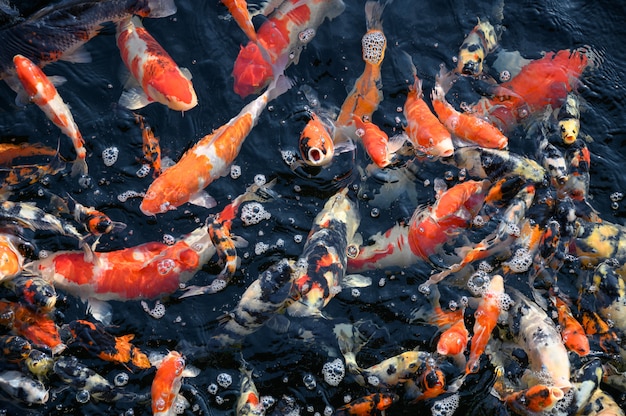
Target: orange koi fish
453,340
146,271
94,338
38,328
424,129
239,11
466,126
542,82
536,399
160,78
369,405
281,37
486,315
60,30
42,92
151,147
249,402
167,383
367,93
208,159
572,332
377,144
11,260
316,143
9,152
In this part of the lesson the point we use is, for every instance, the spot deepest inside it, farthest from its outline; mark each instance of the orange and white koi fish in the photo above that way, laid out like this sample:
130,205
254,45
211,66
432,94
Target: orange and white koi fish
377,144
572,331
151,148
9,152
321,268
38,328
491,304
429,228
424,129
316,141
11,260
480,42
207,159
167,383
369,405
542,82
59,31
281,37
239,11
367,93
146,271
466,126
42,92
249,403
537,334
160,78
534,400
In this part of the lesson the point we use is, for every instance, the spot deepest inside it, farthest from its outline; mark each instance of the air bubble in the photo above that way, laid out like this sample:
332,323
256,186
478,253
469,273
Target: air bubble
382,282
352,251
306,35
82,396
254,213
260,180
334,372
373,380
109,155
288,156
169,239
615,205
617,196
355,292
157,312
309,381
224,380
505,76
121,379
212,389
267,401
219,400
375,212
297,238
235,171
143,171
165,266
260,248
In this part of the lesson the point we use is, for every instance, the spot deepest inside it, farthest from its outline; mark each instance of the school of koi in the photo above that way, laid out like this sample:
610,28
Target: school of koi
518,284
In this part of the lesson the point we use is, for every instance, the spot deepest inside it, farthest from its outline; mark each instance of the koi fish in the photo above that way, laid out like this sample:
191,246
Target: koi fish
537,335
146,271
23,388
38,328
33,292
572,332
207,159
264,298
239,11
466,126
281,37
394,370
160,78
21,175
167,383
368,405
569,119
602,404
453,340
316,142
535,399
151,147
59,30
11,260
94,338
578,160
493,301
611,293
42,92
14,348
10,152
594,242
249,402
39,364
480,42
378,146
424,129
321,268
367,93
542,82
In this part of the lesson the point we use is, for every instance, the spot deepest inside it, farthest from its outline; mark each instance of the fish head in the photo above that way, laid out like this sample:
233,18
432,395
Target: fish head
173,89
316,146
569,130
10,259
252,72
471,55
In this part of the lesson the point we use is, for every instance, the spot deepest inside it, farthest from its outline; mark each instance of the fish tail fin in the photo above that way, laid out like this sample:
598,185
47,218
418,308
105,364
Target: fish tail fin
417,83
373,14
79,167
279,86
161,8
444,79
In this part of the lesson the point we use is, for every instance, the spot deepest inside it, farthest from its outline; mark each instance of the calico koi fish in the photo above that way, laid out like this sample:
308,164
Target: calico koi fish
572,332
94,338
207,159
316,142
167,383
146,271
595,242
279,38
160,78
38,328
14,348
11,260
33,292
535,399
23,388
22,175
320,270
480,42
466,126
394,370
569,119
239,11
493,301
494,164
151,147
611,293
10,152
249,402
542,82
368,405
59,30
42,92
424,129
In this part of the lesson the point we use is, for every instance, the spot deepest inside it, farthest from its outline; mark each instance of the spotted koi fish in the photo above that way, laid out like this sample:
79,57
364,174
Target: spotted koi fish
249,402
321,268
22,175
160,78
146,271
33,292
40,90
535,399
207,159
281,37
480,42
369,405
14,348
151,147
23,388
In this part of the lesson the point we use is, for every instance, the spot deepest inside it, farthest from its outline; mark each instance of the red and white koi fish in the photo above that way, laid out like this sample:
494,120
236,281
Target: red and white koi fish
239,11
208,159
424,129
281,37
468,127
493,301
42,92
160,78
167,382
321,268
249,403
58,32
146,271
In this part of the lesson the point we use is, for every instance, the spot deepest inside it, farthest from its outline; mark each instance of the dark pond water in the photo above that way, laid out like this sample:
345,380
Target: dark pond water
202,38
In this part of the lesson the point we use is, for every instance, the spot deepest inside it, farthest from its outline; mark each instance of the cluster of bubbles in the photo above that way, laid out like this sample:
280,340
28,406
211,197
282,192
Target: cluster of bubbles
446,406
224,380
260,248
334,372
109,155
254,213
169,239
157,312
520,262
143,171
235,171
123,197
306,35
373,44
